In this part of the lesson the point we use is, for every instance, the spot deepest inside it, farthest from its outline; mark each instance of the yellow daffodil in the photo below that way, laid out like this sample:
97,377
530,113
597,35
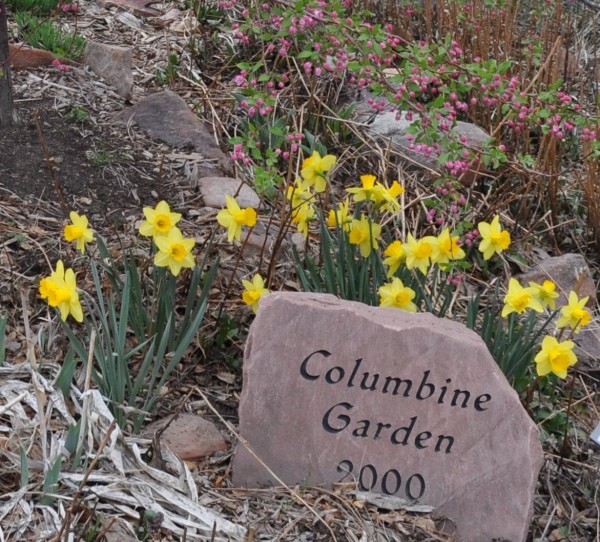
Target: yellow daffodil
78,231
446,248
60,290
546,293
254,291
233,218
298,194
159,220
555,357
340,218
174,251
389,197
369,191
494,239
395,256
313,169
518,299
419,252
395,295
364,233
574,314
302,216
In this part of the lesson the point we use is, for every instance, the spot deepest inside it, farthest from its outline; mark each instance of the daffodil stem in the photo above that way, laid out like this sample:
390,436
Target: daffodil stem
563,447
235,268
529,392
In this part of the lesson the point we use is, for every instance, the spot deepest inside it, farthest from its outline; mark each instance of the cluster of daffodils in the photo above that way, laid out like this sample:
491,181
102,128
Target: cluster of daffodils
361,230
233,217
59,289
303,193
364,232
174,250
430,250
555,356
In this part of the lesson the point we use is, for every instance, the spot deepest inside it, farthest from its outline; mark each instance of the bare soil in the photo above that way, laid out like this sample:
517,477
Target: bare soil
57,158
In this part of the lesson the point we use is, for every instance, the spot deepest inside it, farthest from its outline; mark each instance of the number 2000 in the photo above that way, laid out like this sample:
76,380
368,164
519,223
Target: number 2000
391,481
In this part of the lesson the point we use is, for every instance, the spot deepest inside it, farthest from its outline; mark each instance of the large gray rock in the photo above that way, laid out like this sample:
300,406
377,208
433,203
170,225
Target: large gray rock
405,404
166,117
214,190
571,272
137,7
385,126
113,64
568,272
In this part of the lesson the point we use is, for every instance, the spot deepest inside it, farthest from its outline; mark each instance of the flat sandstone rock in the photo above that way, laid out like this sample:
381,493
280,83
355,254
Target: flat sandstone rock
403,404
113,64
164,116
189,436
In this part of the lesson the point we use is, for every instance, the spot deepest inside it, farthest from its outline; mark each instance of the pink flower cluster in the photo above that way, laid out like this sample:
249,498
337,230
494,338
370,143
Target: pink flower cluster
60,66
457,167
239,155
455,279
471,237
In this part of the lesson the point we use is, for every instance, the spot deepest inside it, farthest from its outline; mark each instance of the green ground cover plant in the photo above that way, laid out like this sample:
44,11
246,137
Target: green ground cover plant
46,34
39,7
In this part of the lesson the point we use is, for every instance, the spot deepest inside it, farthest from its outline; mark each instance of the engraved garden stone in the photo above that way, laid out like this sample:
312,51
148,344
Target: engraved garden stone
404,404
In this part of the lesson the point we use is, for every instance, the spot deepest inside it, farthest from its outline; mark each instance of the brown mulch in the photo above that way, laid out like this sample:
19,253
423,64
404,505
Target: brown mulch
67,154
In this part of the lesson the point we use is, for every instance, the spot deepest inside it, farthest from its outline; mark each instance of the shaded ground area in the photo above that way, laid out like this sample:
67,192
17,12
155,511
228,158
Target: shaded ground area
65,157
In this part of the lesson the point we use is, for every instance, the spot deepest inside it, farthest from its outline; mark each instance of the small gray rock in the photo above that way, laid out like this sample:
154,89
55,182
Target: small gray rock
113,64
214,190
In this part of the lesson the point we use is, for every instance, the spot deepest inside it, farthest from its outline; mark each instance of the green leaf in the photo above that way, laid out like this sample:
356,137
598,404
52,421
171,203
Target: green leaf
24,479
65,376
51,482
73,437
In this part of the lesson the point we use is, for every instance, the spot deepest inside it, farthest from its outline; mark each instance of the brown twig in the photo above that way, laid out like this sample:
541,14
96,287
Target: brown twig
55,182
246,445
88,472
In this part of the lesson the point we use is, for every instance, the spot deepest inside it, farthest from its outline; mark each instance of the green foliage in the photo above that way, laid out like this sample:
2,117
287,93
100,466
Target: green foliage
207,12
228,330
24,467
77,115
169,74
50,486
37,7
341,270
47,35
92,532
101,157
512,341
71,442
142,330
150,522
67,371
